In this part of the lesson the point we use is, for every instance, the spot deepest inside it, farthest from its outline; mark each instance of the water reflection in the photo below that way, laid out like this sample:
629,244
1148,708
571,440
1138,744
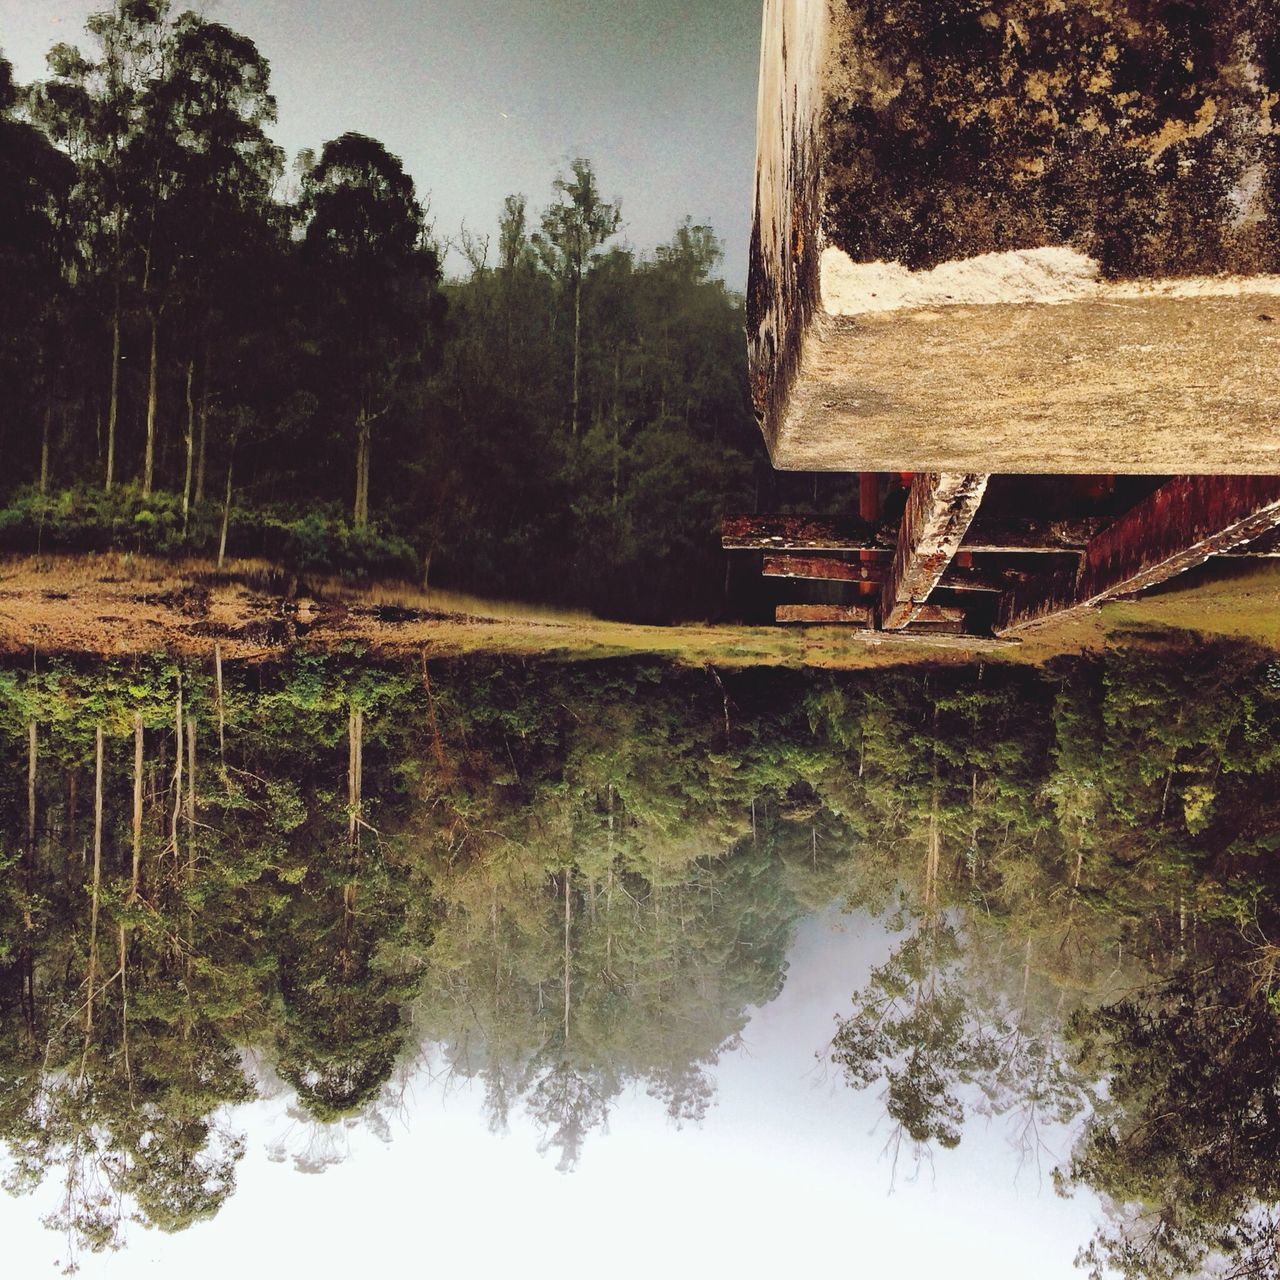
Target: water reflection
555,886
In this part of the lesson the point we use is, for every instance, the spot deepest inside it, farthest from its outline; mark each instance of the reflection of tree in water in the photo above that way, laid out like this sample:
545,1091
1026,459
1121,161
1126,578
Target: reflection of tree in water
567,883
1137,848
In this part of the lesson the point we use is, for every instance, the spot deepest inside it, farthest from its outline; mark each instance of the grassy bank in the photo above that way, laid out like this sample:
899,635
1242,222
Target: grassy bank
124,602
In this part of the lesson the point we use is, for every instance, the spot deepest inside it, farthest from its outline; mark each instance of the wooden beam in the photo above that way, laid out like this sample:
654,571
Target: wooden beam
823,568
805,533
831,569
858,614
1179,526
940,509
824,533
996,536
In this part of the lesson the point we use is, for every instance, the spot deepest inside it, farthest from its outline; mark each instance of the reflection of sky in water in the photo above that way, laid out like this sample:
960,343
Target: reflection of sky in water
787,1173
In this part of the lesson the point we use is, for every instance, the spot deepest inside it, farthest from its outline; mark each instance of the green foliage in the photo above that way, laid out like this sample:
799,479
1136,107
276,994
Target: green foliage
566,425
88,519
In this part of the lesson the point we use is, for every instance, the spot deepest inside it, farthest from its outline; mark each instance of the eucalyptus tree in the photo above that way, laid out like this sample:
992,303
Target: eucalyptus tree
215,104
379,309
35,179
573,228
91,105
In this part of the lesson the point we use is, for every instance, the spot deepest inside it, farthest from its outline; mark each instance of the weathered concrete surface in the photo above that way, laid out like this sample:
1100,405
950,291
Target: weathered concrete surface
1065,213
1157,386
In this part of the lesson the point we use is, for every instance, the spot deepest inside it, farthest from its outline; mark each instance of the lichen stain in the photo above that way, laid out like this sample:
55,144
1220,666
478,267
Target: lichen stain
1124,128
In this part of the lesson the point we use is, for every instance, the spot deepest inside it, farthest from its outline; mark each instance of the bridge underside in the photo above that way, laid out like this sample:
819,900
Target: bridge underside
926,558
1017,239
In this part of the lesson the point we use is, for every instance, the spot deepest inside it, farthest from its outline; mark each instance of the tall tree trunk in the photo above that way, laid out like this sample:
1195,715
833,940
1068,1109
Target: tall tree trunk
190,443
360,517
568,952
577,350
175,841
44,447
355,772
191,797
226,516
149,460
94,893
136,875
204,426
113,408
32,763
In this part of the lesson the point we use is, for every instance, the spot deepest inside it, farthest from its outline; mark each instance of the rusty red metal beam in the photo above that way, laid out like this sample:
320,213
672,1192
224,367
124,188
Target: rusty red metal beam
825,533
1180,525
940,509
831,569
823,568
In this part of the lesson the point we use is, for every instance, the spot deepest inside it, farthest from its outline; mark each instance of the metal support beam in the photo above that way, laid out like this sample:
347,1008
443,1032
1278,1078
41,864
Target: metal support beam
821,533
940,509
823,569
1179,526
831,569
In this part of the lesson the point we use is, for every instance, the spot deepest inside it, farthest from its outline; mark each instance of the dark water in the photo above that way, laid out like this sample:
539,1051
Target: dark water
969,970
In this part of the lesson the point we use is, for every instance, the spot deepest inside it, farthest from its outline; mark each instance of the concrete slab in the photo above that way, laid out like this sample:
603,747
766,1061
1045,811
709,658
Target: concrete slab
1026,236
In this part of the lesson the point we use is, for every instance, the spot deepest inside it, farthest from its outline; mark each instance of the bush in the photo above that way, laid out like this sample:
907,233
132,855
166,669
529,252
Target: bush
86,519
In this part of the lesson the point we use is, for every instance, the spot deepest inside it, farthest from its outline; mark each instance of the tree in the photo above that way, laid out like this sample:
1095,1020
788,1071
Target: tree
216,104
93,107
35,182
573,228
380,308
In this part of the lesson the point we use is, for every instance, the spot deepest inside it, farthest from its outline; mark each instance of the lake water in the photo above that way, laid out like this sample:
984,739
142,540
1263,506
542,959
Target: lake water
337,964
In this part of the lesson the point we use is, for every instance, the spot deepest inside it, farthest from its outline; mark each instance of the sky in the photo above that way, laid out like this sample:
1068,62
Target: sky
486,97
786,1176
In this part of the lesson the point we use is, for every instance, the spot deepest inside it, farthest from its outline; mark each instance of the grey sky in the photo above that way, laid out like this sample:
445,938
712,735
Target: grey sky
485,97
786,1177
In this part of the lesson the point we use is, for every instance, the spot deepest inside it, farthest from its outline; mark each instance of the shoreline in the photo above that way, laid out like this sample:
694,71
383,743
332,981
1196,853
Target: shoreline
115,604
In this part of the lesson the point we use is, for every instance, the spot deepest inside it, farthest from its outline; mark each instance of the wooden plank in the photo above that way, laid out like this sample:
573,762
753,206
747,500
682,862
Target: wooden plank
823,569
806,533
1179,526
830,569
858,614
940,509
825,533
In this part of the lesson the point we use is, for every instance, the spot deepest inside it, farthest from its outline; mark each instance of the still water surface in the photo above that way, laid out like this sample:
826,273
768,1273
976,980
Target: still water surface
965,970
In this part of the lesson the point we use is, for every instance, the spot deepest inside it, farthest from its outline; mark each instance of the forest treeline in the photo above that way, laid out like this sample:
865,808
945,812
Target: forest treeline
564,882
206,349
